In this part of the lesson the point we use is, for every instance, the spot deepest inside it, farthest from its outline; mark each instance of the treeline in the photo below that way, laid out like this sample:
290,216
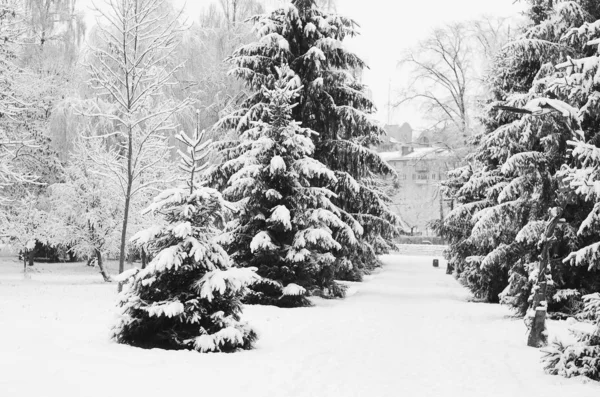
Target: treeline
104,142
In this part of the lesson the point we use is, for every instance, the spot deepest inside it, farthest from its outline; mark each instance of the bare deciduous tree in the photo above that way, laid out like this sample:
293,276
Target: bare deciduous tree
447,72
131,69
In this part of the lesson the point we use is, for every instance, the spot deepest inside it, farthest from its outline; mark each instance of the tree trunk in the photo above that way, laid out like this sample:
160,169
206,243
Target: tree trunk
30,255
537,333
235,3
103,272
537,337
124,237
24,261
144,259
441,205
127,202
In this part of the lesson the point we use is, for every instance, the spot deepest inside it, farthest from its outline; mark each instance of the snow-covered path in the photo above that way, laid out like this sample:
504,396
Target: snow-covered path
407,331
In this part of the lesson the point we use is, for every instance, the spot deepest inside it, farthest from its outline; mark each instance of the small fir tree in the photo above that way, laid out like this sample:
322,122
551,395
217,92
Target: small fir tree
288,226
188,297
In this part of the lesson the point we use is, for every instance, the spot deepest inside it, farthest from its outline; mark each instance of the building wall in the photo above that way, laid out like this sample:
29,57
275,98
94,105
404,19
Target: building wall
416,193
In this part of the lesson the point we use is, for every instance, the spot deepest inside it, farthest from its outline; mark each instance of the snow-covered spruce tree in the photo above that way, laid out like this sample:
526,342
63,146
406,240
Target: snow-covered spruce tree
547,240
332,103
582,358
287,225
577,79
513,183
189,295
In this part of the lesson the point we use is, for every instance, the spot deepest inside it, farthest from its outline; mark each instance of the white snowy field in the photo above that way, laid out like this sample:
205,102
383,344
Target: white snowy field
407,331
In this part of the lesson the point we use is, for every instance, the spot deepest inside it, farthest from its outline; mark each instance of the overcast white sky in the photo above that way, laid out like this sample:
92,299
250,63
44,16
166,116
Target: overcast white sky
390,26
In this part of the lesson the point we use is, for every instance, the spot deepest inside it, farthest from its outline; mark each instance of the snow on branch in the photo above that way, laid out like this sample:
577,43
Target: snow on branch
591,224
523,162
232,281
262,242
531,233
516,188
498,257
293,290
588,256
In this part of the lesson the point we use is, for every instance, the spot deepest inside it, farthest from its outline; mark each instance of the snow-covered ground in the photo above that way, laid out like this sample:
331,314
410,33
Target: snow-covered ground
407,331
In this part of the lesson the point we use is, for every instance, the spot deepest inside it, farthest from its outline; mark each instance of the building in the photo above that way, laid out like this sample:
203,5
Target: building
416,195
397,136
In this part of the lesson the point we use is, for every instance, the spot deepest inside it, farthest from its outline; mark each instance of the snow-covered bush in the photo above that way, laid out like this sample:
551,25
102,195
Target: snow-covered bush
581,358
287,225
188,297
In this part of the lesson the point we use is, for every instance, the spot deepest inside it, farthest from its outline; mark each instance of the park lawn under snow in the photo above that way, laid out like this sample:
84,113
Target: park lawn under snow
408,330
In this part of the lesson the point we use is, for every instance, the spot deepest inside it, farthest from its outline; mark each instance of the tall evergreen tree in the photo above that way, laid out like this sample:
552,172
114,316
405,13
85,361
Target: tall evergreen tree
288,226
576,80
332,103
582,358
508,235
189,295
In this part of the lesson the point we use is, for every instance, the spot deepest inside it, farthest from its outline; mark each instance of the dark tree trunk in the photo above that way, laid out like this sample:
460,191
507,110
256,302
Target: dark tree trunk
144,259
127,199
537,336
103,272
30,255
124,238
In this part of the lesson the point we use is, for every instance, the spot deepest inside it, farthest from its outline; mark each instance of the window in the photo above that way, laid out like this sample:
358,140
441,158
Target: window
422,178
